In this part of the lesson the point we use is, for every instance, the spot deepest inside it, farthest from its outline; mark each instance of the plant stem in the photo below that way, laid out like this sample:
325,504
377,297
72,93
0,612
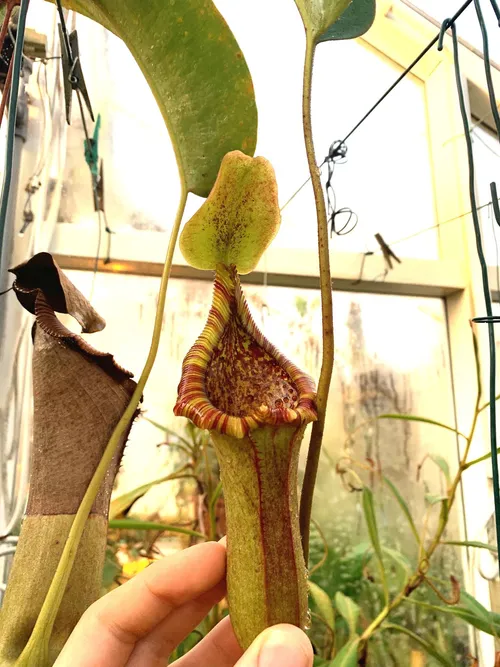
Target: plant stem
36,650
326,305
424,559
485,457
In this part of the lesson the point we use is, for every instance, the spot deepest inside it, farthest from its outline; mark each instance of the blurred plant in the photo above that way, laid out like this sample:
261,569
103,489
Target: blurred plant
385,588
132,542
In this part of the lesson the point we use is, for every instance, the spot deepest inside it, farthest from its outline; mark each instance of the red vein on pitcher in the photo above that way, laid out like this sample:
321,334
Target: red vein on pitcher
233,379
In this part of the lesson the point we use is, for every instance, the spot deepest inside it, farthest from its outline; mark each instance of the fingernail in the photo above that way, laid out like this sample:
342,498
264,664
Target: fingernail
282,649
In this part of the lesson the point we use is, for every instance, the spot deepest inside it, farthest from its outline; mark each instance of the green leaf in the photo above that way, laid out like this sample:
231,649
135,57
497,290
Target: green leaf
170,432
479,612
110,571
354,22
348,654
319,15
323,603
349,610
404,507
215,496
421,420
371,521
443,465
197,73
424,643
432,499
471,543
485,457
123,502
320,662
401,562
189,643
138,524
239,219
470,611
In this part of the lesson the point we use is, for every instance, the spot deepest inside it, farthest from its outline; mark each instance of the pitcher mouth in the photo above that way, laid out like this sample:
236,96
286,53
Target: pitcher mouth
233,379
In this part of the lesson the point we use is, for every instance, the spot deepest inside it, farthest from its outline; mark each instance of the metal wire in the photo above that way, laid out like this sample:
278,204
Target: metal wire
11,128
396,83
489,320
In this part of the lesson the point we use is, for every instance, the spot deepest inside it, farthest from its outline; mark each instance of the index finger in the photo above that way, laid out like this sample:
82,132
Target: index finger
110,628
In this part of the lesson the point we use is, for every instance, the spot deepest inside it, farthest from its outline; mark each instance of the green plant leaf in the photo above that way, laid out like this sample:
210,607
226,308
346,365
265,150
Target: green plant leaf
485,457
470,611
403,505
353,22
138,524
323,603
196,72
170,432
320,662
371,521
401,562
215,496
349,610
189,643
475,608
421,420
239,219
432,499
443,465
123,502
471,543
429,648
348,654
110,571
319,15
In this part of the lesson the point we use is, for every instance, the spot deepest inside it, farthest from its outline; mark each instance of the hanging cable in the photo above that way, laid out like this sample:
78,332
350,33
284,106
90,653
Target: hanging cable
11,127
487,65
400,78
341,221
489,319
396,83
496,9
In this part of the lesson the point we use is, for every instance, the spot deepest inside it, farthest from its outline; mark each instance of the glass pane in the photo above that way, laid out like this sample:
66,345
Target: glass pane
378,182
402,367
487,162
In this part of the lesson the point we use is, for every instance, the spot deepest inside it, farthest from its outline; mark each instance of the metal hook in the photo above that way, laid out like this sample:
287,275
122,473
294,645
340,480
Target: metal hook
447,23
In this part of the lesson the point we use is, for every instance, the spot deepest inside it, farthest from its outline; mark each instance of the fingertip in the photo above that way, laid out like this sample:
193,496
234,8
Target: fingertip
284,640
279,646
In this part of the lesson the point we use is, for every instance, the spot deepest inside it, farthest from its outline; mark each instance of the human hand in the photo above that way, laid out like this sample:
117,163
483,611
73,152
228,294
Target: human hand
140,623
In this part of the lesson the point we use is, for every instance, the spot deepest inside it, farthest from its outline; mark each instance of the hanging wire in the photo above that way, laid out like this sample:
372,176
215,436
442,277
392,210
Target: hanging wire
396,83
496,9
489,319
487,65
341,221
11,127
34,183
494,232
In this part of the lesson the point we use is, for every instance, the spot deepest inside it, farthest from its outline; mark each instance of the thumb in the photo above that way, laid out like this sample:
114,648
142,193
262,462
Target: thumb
279,646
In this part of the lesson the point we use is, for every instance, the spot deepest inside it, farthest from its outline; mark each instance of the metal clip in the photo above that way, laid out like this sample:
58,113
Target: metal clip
72,70
389,255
